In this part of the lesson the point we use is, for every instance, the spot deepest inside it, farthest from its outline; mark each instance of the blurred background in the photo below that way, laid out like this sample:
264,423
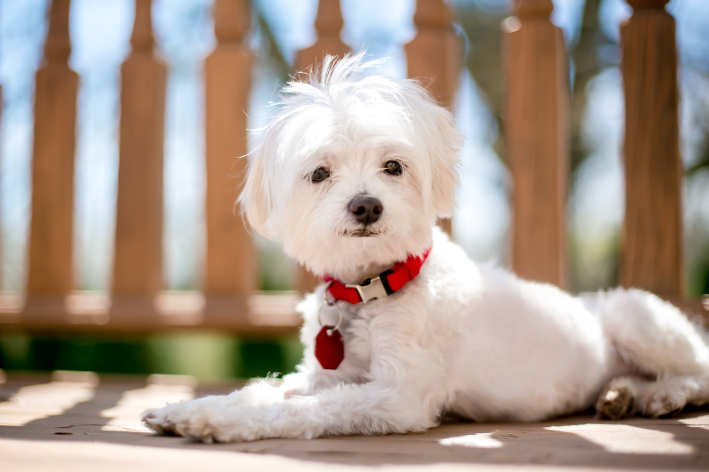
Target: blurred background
184,32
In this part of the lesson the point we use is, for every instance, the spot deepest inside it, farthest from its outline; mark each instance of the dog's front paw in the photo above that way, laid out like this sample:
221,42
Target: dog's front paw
165,420
206,420
161,420
174,418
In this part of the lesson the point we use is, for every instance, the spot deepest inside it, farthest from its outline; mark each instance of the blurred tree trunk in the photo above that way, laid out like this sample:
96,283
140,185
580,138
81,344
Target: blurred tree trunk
586,65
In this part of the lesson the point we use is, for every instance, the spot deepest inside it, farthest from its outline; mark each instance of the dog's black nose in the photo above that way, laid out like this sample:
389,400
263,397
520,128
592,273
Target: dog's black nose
366,209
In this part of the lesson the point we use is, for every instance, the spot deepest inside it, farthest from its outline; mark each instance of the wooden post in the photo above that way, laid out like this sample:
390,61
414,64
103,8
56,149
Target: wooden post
328,24
435,56
652,234
231,274
2,253
137,267
536,142
51,274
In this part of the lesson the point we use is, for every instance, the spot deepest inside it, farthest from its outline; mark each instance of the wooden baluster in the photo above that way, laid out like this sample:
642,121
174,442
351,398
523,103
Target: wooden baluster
536,140
137,267
2,251
435,56
231,274
652,233
328,24
51,274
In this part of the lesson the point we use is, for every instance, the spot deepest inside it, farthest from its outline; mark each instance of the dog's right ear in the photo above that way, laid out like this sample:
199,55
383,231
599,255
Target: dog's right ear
255,198
435,127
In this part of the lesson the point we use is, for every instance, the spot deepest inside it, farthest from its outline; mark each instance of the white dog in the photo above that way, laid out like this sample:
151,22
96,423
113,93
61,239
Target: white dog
351,175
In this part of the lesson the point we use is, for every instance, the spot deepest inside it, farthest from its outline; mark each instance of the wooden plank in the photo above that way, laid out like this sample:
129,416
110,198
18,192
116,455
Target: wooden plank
230,266
266,313
2,253
263,313
87,422
652,256
50,274
137,267
435,56
536,140
328,24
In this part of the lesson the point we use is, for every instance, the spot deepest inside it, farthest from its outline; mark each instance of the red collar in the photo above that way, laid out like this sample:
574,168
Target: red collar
380,286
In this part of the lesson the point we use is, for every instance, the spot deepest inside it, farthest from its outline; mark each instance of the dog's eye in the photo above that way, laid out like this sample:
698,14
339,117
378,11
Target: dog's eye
319,175
393,168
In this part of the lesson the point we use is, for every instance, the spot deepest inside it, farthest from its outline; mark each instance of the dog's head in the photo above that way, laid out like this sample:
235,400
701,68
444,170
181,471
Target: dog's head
352,172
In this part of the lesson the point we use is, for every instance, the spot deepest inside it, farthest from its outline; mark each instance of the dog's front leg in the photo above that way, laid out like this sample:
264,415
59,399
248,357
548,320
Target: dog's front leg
370,408
171,419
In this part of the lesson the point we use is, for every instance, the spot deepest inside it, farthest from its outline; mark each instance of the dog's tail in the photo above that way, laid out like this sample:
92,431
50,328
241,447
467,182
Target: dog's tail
651,334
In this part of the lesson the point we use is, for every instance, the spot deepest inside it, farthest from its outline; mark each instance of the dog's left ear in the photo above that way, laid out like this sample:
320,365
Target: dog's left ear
442,140
255,198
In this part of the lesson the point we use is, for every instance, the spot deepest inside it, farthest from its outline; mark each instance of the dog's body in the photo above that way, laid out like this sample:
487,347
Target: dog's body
351,175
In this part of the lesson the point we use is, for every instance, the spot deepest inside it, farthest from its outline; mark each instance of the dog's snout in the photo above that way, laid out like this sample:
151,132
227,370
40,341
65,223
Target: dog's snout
366,209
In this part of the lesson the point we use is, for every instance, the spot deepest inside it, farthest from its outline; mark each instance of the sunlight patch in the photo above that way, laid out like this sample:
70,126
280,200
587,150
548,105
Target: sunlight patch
161,390
627,439
481,440
34,402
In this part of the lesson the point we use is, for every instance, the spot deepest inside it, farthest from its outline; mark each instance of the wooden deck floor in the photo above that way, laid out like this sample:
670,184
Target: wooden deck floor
74,422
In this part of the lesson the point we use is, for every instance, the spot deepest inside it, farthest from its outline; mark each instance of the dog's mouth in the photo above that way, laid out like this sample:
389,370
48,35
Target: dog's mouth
361,233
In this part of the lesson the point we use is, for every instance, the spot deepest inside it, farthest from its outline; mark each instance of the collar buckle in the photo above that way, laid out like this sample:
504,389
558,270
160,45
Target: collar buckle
370,291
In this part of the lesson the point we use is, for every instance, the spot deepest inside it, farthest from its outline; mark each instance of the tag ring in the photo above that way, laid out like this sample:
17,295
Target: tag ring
329,303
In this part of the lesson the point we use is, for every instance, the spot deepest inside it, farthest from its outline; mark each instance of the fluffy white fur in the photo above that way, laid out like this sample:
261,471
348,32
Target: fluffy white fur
461,338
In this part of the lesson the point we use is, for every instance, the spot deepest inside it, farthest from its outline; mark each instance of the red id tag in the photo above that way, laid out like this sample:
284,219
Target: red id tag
329,348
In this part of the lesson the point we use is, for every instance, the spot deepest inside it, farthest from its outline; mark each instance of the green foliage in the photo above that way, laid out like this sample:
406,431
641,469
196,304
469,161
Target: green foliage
206,356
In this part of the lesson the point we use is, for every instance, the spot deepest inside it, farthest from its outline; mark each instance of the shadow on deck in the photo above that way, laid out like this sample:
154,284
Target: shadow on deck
75,421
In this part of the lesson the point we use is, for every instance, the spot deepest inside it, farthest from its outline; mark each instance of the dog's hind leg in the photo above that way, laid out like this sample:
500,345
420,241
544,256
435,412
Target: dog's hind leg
656,340
629,395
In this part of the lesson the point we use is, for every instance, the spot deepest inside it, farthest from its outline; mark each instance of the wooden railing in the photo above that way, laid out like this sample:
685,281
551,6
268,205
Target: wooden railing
536,152
536,140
